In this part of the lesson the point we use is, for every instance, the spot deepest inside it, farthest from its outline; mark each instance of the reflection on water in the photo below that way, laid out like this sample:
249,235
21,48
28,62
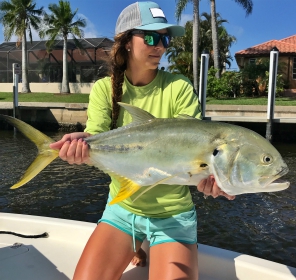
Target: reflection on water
262,225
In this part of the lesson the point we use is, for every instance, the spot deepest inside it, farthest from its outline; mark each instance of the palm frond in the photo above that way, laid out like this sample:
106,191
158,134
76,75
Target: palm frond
247,5
180,7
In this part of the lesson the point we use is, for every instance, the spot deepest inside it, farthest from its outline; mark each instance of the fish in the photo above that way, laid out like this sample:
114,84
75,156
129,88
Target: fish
174,151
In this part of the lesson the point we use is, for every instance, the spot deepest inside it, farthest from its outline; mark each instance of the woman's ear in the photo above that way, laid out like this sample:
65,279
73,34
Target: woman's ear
128,47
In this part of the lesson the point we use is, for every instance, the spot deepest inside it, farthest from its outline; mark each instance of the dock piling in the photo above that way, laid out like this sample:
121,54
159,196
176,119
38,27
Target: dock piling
273,65
203,78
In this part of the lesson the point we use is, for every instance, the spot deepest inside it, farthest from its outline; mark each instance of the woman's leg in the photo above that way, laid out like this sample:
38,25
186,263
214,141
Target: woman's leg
173,261
106,254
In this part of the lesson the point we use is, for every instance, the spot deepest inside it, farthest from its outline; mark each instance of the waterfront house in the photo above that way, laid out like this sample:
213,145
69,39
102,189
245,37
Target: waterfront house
287,56
85,66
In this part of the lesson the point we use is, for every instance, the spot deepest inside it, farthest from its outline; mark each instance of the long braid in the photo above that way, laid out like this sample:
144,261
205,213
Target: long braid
119,57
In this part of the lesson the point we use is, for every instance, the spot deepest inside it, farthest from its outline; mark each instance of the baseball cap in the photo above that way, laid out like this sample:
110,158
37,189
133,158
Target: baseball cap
145,16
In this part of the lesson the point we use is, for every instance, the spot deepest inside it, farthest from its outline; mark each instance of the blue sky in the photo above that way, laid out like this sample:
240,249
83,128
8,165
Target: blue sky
270,19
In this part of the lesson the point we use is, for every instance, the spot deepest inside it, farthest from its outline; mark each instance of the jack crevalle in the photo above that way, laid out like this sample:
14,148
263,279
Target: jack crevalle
151,151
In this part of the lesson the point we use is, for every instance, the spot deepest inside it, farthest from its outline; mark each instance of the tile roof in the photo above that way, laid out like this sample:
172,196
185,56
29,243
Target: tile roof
286,45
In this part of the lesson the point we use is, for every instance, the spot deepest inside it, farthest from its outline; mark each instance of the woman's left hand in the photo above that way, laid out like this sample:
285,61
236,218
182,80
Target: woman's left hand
209,187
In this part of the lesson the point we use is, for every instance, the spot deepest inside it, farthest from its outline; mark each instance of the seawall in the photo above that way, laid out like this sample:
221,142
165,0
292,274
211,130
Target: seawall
73,116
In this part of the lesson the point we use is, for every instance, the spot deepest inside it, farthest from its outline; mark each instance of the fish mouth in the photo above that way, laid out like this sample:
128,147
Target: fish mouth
278,184
283,172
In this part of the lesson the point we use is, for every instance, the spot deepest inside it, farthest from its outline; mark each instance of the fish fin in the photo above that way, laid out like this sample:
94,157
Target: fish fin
30,132
146,190
138,115
128,187
45,154
198,167
196,170
152,186
40,162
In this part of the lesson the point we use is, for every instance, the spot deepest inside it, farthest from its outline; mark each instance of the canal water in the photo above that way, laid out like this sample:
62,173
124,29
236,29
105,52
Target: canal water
262,225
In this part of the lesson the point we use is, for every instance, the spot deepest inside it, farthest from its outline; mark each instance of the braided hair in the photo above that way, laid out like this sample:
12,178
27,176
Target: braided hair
119,57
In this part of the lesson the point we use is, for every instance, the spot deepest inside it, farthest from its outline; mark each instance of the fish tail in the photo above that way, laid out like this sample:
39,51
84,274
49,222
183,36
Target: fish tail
45,154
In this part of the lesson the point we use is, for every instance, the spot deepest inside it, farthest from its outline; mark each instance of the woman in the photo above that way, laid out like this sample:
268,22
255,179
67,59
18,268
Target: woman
164,215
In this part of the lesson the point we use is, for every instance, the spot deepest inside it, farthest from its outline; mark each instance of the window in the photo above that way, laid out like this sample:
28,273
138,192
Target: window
294,69
252,60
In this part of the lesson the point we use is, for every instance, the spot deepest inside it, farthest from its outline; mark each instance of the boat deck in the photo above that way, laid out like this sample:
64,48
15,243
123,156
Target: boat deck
55,257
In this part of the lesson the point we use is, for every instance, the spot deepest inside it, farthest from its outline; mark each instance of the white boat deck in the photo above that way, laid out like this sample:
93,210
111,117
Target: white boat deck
55,257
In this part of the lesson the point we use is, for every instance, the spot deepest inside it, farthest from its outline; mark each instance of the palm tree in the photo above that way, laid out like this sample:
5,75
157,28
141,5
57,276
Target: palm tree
60,24
181,4
19,17
180,51
215,38
224,39
247,5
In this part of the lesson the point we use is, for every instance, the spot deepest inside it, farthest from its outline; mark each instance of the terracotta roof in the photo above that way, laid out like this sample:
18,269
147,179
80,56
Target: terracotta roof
290,40
286,45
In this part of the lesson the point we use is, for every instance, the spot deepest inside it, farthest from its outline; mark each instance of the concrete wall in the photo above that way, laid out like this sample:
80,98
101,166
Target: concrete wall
72,117
258,111
49,87
73,113
49,116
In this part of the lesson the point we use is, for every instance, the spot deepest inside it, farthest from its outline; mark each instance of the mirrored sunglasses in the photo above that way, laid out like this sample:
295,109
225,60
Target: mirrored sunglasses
151,38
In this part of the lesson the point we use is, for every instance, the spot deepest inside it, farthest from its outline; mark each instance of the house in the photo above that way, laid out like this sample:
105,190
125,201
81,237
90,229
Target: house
85,66
287,56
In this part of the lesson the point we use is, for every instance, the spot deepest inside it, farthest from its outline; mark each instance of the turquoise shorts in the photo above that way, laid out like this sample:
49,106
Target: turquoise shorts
178,228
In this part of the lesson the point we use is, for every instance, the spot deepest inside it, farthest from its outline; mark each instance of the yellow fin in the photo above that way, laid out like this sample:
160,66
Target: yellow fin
45,154
30,132
152,186
128,188
40,162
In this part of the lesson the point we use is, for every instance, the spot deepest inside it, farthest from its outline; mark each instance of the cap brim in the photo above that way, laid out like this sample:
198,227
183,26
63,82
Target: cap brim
174,30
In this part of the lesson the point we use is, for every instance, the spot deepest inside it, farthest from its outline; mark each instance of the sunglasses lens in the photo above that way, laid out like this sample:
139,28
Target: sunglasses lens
152,39
166,39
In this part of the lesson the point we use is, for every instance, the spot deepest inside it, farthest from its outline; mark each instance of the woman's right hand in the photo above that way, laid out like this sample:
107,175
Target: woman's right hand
209,186
73,148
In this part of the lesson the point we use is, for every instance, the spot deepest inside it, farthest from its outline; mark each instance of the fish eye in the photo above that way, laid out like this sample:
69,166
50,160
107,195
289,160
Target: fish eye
215,152
267,159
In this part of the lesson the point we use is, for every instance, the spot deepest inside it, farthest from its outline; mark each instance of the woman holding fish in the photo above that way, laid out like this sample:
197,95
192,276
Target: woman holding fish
165,215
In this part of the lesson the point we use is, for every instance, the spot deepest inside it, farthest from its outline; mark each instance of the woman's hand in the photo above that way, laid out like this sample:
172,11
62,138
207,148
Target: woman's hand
73,148
209,187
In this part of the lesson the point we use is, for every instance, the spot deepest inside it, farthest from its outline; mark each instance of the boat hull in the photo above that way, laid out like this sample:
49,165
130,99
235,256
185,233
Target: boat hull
55,257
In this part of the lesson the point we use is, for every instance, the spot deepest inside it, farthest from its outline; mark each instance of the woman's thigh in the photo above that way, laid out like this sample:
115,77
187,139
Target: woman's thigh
173,261
106,254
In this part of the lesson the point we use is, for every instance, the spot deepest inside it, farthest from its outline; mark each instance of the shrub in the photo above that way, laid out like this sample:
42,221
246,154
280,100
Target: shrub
227,86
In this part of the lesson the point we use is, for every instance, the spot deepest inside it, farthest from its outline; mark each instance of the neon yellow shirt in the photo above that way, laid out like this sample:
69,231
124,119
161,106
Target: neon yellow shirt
167,96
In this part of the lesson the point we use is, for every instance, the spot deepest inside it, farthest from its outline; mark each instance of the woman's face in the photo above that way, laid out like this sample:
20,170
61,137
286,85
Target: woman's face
144,55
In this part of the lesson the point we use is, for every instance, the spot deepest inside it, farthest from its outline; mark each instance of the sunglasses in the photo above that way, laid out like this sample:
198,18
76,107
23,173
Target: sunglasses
152,38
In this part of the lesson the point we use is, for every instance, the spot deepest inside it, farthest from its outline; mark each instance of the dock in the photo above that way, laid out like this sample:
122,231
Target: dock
76,112
72,117
249,113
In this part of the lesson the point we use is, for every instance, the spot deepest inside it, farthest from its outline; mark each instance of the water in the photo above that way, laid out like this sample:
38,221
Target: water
262,225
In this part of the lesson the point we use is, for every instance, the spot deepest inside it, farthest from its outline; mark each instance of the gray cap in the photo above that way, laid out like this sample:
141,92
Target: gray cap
145,16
